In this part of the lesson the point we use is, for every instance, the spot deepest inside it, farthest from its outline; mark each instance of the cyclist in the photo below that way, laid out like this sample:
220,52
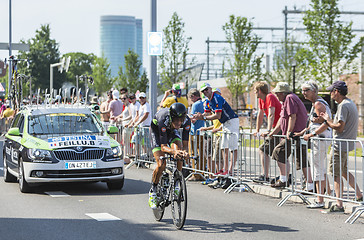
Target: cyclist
166,139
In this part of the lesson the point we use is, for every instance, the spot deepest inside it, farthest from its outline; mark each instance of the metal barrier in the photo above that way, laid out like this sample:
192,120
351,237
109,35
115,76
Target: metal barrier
5,125
245,164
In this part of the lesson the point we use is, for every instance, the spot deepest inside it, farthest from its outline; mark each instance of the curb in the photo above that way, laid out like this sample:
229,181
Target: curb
271,192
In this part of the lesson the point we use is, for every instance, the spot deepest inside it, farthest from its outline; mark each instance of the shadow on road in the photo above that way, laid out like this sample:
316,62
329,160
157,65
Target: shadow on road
90,229
206,227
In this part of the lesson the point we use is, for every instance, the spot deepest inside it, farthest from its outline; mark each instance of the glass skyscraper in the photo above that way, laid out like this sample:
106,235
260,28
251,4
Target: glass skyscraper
118,34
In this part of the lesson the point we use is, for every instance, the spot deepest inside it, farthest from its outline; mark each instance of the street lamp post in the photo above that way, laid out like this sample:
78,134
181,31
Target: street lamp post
294,64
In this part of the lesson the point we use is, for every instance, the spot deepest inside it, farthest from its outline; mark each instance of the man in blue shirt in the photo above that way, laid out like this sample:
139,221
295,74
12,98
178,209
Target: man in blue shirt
217,108
196,141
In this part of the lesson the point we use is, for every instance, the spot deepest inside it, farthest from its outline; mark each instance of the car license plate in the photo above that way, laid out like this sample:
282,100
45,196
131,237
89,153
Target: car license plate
80,165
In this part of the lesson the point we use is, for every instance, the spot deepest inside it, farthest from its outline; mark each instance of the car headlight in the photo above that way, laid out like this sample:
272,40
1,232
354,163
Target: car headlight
38,154
113,152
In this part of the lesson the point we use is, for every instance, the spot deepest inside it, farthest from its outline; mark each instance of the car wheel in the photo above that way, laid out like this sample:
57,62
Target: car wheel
8,177
115,185
23,184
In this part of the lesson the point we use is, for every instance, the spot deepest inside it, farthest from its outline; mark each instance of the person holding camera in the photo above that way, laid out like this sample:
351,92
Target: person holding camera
317,128
177,97
293,118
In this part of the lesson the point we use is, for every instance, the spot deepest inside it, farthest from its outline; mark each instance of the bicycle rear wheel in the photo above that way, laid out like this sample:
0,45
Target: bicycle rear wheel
159,211
179,200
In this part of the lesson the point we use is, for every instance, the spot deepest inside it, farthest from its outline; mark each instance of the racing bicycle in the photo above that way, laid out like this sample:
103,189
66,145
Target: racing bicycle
171,190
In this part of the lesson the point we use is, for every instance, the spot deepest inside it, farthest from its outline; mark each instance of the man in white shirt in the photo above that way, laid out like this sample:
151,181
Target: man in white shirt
144,120
134,110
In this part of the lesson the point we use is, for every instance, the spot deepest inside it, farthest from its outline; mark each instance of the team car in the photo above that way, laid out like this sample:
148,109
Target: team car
66,143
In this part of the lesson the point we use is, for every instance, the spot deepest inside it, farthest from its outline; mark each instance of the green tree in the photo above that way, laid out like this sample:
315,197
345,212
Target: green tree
132,78
245,67
80,64
330,46
43,51
175,49
102,75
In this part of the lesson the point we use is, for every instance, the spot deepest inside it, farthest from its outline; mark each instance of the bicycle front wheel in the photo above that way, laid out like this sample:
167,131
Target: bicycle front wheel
179,200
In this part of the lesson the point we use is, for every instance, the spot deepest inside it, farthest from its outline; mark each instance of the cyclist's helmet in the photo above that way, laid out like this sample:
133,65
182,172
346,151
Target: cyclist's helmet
177,110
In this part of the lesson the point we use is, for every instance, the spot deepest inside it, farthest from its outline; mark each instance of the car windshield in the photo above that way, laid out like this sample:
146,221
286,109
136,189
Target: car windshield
63,124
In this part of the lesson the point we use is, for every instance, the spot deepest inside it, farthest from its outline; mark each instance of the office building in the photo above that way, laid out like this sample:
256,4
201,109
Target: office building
118,34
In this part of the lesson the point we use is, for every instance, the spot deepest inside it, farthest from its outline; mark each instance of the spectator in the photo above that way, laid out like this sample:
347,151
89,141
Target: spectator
8,114
212,144
197,142
177,97
345,126
229,121
145,116
105,111
293,118
317,127
271,107
2,107
144,121
125,115
134,110
116,106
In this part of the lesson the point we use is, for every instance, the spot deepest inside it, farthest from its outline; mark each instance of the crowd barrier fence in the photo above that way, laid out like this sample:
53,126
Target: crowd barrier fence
213,157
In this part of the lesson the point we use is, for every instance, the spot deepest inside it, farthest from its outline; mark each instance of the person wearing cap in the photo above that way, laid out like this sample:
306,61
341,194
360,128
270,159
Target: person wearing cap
293,119
177,97
214,163
345,126
271,107
145,116
217,108
144,120
197,141
116,106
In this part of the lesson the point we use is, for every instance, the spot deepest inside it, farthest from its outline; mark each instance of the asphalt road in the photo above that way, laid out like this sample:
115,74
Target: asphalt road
74,211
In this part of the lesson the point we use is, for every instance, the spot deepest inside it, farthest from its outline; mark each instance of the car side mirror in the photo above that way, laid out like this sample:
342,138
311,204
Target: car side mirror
112,130
14,131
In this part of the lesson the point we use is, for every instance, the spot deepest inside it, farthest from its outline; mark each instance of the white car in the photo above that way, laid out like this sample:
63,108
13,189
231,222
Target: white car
61,144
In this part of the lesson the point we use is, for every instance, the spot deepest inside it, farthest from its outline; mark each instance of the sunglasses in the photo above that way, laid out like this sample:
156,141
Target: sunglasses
123,98
305,90
131,98
142,97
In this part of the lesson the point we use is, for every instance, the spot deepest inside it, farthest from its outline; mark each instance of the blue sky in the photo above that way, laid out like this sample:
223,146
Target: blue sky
75,23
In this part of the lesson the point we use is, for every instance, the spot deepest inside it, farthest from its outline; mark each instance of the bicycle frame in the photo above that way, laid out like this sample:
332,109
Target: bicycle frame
167,193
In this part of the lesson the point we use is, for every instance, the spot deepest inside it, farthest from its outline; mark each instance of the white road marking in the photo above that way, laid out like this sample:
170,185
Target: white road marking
101,217
57,194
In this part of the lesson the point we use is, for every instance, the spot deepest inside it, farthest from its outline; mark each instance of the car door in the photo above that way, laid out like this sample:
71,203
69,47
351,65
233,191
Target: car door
12,143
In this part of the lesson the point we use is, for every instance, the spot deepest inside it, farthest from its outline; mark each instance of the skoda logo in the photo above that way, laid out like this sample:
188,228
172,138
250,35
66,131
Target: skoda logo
79,148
